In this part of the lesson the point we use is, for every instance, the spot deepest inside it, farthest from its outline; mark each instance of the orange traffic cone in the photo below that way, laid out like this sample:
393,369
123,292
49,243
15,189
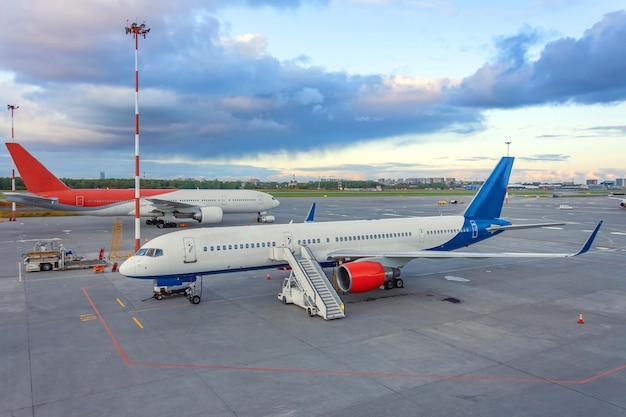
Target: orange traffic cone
268,276
580,319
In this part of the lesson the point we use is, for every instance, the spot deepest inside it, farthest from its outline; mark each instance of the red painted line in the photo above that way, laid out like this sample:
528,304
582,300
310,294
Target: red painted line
106,327
343,373
603,374
377,374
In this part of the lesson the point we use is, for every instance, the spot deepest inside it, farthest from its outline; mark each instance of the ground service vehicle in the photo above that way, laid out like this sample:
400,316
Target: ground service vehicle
51,255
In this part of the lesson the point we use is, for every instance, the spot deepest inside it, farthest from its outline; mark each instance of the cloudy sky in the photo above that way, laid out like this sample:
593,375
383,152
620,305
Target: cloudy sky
342,88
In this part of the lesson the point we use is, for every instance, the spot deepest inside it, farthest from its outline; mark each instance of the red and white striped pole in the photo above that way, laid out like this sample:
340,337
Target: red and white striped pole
12,107
137,31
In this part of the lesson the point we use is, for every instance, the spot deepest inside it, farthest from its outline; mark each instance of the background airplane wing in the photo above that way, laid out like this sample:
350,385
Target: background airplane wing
434,254
30,199
166,206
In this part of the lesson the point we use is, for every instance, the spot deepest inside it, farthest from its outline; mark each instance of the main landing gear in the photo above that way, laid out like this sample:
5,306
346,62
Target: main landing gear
394,283
160,223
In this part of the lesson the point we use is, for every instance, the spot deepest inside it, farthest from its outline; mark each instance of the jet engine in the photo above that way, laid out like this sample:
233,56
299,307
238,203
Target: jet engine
366,276
209,215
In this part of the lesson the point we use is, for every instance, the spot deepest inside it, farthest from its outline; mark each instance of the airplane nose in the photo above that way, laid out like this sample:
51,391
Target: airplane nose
127,268
276,203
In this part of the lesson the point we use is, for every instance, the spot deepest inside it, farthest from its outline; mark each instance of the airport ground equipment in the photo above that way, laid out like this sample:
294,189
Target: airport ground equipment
169,286
51,255
307,285
116,240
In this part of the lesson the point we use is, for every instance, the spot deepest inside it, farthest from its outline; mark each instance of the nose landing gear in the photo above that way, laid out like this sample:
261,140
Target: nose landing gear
165,288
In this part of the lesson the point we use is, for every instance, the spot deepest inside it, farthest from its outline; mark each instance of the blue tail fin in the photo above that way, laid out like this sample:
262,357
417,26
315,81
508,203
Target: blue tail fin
487,203
310,218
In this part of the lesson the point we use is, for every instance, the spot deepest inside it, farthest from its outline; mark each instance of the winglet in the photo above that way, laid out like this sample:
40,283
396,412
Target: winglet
311,215
589,241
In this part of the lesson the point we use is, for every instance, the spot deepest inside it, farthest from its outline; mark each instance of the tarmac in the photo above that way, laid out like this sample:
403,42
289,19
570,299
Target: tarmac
491,337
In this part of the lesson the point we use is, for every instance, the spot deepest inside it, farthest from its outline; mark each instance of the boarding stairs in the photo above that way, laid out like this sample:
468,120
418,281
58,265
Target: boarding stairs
307,284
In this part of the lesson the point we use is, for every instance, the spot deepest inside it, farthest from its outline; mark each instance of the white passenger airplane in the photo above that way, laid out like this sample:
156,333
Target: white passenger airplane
622,199
370,253
206,206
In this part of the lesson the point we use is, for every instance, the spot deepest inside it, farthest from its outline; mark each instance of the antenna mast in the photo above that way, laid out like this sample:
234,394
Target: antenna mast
12,107
137,31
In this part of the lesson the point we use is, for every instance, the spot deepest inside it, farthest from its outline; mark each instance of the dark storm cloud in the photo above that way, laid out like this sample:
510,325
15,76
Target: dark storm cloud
588,70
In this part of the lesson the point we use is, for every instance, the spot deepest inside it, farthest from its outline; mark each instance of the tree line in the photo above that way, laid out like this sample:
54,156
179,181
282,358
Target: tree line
5,184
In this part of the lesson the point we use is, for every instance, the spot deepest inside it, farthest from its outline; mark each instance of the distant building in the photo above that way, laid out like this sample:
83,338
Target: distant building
102,175
592,182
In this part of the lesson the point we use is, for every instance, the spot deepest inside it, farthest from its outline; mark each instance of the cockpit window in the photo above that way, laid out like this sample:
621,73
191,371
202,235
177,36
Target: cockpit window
153,252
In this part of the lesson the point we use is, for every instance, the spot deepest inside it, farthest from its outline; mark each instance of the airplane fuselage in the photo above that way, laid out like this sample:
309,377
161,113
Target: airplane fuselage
199,252
116,202
206,206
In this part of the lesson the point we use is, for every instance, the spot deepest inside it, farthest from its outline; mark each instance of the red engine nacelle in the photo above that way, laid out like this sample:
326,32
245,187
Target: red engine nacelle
209,215
364,276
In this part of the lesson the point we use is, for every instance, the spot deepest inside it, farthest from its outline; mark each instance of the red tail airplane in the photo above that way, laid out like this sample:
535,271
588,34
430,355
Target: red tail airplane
206,206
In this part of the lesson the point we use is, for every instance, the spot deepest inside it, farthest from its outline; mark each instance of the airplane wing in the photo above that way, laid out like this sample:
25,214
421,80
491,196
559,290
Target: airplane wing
30,199
166,206
433,254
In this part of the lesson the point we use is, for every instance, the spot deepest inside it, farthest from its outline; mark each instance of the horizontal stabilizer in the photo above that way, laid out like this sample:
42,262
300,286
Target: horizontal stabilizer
30,199
495,227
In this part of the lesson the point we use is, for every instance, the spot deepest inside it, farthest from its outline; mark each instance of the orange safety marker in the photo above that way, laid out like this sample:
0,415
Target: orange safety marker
580,319
268,276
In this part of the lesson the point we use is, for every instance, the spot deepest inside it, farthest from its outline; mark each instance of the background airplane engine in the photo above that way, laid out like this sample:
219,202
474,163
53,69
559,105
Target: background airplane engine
209,215
364,276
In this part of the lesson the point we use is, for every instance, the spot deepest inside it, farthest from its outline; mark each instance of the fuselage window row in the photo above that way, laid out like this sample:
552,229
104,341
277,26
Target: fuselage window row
440,232
238,246
234,246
